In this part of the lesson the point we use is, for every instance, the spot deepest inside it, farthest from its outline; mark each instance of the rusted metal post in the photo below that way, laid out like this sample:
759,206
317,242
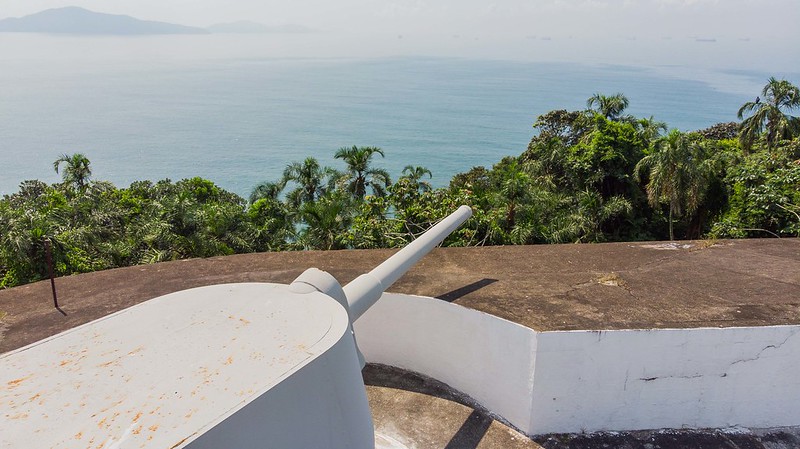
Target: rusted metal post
48,254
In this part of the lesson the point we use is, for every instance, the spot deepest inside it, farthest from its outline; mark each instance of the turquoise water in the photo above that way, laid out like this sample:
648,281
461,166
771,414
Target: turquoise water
238,121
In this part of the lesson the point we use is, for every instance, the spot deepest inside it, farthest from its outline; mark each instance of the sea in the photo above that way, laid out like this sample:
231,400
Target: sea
237,110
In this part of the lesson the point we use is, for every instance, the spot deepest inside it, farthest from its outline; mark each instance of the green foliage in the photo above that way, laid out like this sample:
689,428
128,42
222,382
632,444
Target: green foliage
771,114
360,173
610,107
272,223
676,173
606,160
99,226
372,227
76,169
326,222
310,180
586,176
764,198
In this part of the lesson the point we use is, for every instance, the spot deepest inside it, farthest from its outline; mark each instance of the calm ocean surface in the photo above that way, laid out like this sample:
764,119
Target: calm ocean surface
240,120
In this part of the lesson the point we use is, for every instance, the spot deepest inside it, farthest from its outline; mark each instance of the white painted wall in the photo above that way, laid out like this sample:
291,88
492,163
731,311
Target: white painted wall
592,380
479,354
671,378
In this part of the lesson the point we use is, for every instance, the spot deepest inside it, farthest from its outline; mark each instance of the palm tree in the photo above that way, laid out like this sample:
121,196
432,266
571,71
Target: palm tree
360,174
771,111
650,128
676,175
76,170
327,221
273,224
415,174
266,189
310,178
610,107
514,190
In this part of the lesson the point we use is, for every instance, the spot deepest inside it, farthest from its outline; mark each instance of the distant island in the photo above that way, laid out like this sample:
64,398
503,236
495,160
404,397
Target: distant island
75,20
248,27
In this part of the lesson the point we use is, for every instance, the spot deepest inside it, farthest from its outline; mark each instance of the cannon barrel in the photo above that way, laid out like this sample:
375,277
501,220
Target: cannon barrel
288,350
366,289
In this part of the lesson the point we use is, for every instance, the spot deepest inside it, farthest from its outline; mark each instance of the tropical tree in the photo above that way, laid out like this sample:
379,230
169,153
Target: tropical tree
611,107
649,128
414,174
408,188
327,222
76,169
676,175
312,180
605,158
770,112
266,189
273,224
373,227
514,190
359,172
580,217
763,195
37,211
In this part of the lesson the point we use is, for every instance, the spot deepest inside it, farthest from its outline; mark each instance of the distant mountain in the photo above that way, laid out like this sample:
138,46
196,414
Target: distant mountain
247,27
74,20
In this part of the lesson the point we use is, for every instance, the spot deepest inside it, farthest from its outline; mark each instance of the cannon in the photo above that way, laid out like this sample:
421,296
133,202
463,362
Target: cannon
246,365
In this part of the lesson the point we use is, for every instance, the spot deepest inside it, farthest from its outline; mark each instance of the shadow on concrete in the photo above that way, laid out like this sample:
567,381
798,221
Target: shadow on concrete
377,375
471,433
465,290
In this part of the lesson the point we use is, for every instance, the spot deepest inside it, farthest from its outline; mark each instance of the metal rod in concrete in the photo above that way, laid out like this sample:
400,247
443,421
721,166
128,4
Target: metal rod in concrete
48,254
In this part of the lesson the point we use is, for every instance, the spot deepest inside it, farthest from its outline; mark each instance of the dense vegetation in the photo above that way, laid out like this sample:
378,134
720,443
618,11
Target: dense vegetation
587,176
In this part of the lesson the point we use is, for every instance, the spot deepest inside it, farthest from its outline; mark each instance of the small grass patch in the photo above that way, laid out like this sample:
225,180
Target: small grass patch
612,279
707,243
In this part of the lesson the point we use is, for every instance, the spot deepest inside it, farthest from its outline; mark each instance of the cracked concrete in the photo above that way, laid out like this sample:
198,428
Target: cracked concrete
732,438
554,287
544,287
650,379
761,352
414,411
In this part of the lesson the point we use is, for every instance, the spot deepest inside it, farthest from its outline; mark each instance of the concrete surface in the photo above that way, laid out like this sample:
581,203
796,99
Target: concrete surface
735,438
490,359
626,380
589,381
410,411
555,287
544,287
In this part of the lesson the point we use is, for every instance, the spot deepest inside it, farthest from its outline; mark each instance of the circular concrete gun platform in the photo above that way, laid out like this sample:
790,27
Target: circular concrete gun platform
410,410
686,285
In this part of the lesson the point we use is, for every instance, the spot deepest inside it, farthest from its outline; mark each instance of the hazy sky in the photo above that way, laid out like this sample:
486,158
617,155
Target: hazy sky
755,19
743,29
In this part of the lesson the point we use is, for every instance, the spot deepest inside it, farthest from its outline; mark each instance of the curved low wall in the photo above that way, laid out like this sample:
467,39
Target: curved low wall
553,382
486,357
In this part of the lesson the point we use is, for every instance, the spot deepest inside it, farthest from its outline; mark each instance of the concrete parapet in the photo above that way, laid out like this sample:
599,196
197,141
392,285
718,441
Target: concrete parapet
587,381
